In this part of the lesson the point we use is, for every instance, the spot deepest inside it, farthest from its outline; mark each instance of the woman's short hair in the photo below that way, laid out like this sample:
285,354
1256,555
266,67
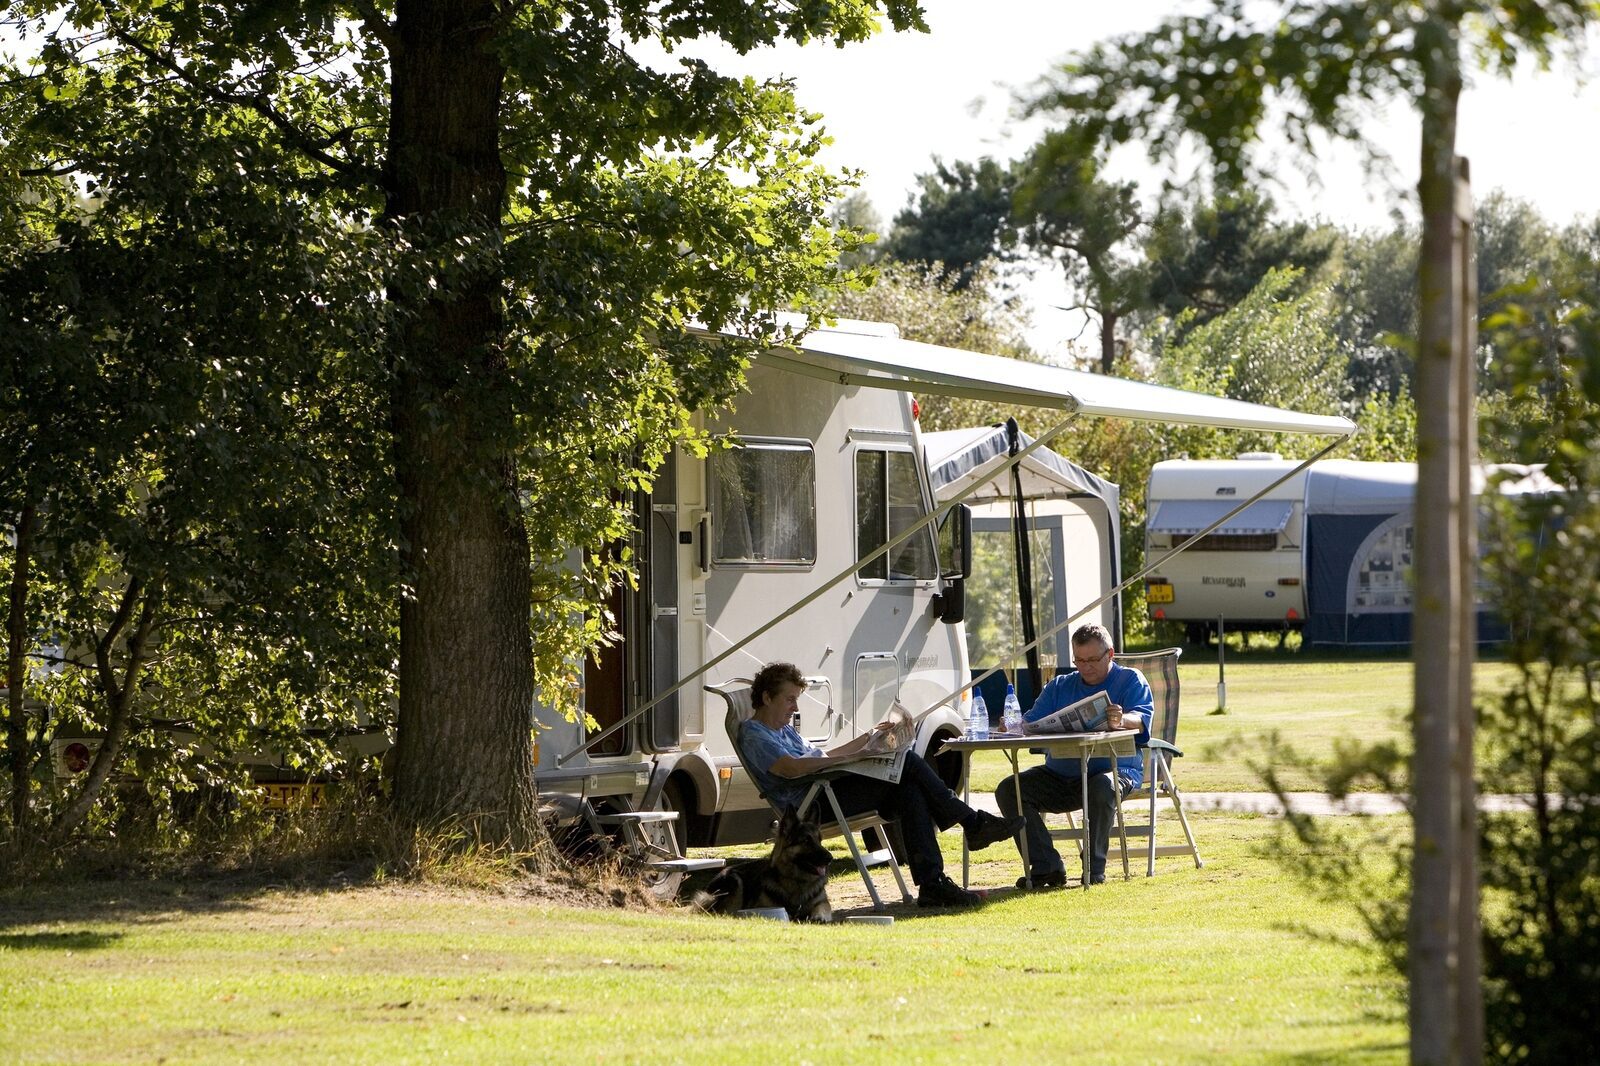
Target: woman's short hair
770,678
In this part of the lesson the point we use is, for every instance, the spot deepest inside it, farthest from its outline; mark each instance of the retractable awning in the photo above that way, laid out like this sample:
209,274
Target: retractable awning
874,358
1188,517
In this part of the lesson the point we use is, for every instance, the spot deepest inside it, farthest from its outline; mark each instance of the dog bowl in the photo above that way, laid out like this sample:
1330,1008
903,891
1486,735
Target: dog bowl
870,919
777,914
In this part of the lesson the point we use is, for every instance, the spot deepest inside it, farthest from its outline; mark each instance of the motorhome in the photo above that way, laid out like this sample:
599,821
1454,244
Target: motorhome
762,552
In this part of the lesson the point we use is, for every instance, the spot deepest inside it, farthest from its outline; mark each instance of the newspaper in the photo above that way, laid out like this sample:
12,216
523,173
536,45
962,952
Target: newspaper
884,754
1088,715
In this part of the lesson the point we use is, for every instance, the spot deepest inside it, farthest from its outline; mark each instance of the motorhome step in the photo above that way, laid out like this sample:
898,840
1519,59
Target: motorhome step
636,817
686,866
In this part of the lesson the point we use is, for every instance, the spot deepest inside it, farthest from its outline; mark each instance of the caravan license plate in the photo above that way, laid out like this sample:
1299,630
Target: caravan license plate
1158,593
280,797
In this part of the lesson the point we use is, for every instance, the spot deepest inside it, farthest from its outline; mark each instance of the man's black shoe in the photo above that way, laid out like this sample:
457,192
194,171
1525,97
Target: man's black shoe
986,829
943,892
1055,879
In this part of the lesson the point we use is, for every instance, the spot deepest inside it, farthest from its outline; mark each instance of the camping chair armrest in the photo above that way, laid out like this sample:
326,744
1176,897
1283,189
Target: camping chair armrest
1161,745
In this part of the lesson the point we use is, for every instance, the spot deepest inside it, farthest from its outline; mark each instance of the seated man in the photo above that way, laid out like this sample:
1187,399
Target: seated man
1057,786
780,758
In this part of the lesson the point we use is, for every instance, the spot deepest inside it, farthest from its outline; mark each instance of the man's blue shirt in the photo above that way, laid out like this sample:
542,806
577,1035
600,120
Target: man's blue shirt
1126,687
762,746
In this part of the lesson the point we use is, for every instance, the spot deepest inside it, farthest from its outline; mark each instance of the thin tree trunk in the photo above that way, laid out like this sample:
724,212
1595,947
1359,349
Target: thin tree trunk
17,677
1436,633
1469,967
118,694
465,749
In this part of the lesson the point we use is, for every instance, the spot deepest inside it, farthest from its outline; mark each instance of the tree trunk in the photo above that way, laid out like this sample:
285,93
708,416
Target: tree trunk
1437,639
17,677
465,752
1468,931
118,695
1108,340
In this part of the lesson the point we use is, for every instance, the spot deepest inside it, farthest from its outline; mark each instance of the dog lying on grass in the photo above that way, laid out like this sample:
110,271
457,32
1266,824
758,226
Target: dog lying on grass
794,876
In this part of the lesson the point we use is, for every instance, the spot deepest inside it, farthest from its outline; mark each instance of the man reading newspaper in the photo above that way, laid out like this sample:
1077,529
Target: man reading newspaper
1057,785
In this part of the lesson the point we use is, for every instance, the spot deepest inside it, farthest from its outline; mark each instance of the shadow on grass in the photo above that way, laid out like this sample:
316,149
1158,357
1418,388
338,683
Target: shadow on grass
121,903
70,940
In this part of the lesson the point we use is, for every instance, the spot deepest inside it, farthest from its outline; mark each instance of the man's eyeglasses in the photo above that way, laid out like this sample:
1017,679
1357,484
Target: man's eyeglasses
1091,659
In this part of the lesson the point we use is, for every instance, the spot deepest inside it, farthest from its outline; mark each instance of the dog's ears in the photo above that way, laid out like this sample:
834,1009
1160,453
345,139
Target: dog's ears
791,814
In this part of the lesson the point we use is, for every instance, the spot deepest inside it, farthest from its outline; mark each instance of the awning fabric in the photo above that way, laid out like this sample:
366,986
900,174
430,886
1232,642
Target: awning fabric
872,358
1188,517
959,457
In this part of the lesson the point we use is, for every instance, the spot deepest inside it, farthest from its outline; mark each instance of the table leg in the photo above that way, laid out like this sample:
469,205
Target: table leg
1022,837
1083,838
966,797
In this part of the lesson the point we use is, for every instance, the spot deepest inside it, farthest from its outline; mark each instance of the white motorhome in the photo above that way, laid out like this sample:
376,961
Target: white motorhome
755,554
1249,571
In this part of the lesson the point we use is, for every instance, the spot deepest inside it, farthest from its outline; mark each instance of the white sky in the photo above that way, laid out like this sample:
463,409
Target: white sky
894,102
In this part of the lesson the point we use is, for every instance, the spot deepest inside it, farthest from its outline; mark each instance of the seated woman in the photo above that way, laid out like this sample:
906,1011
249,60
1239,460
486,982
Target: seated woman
780,758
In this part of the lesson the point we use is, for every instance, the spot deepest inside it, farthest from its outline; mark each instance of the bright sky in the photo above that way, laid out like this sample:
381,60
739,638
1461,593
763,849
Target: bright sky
894,102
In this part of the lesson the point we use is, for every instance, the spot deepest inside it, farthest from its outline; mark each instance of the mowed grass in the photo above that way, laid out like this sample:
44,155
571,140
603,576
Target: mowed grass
1191,966
1310,703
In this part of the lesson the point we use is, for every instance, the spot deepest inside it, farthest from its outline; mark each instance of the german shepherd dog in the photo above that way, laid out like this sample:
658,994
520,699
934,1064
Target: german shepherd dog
794,876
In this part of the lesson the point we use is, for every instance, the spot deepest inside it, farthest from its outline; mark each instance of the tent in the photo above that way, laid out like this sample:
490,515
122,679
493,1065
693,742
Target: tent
1359,538
1076,537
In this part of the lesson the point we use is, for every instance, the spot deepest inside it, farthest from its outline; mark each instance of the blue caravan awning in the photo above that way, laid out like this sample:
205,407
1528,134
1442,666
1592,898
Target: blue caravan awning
1187,517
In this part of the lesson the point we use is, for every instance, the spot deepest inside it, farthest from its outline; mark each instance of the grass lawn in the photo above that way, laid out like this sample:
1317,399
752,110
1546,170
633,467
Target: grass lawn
1311,702
1193,965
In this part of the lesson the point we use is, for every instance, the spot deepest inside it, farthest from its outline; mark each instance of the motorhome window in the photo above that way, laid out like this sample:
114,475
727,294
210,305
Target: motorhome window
889,500
764,505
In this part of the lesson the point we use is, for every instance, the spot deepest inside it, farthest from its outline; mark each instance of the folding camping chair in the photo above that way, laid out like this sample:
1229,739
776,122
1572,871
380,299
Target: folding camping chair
737,695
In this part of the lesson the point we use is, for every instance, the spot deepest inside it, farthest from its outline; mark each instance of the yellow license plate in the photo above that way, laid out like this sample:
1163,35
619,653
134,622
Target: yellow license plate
1158,593
279,797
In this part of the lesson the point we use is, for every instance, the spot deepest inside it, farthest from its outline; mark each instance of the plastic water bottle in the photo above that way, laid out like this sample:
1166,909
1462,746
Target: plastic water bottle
978,718
1013,712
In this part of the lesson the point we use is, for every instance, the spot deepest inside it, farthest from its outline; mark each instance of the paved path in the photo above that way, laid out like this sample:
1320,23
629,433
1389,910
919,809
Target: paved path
1301,802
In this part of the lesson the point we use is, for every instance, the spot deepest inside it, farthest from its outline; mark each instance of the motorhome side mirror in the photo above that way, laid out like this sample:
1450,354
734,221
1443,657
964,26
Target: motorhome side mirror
950,604
955,542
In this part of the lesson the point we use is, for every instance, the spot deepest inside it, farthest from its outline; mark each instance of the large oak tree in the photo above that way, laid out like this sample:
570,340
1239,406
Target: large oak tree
555,212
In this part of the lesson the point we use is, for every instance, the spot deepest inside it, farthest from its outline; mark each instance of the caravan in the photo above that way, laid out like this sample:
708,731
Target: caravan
1326,550
773,549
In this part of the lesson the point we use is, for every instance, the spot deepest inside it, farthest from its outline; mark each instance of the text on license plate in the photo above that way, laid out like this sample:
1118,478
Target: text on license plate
1158,593
278,797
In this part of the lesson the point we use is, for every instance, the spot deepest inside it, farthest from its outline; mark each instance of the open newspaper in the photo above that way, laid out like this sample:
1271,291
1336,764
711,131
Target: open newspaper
884,756
1088,715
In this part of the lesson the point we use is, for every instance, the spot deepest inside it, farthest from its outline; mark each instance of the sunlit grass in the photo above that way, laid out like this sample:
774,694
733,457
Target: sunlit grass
1191,965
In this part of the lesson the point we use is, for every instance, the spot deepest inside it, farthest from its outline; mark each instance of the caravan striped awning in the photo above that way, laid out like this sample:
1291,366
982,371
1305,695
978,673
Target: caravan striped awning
1188,517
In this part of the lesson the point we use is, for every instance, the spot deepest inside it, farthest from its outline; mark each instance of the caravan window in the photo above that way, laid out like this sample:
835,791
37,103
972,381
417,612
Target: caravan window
764,505
889,500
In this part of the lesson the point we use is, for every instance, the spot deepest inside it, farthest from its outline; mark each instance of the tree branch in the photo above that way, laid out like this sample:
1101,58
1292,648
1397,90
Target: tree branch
257,102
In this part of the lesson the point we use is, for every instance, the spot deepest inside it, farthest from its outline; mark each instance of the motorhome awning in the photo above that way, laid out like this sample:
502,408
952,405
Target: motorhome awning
874,358
1188,517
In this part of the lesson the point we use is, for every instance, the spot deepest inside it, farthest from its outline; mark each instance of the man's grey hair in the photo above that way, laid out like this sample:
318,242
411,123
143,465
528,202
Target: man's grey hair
1091,631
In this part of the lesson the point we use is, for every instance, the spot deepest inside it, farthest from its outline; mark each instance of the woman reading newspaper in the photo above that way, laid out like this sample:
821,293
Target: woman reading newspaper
780,759
1058,785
